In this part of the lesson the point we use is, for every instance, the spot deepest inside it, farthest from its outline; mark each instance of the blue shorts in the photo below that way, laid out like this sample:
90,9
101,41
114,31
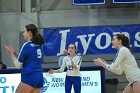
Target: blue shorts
75,81
34,79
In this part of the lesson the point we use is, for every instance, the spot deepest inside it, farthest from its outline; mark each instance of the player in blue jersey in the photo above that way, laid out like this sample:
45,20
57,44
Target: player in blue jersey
124,62
29,61
72,62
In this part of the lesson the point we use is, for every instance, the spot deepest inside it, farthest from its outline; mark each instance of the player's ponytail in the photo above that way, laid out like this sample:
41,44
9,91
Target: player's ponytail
37,38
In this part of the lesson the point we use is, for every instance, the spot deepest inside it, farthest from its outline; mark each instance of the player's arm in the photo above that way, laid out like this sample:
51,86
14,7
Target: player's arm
73,65
118,70
13,55
51,71
15,60
76,66
115,66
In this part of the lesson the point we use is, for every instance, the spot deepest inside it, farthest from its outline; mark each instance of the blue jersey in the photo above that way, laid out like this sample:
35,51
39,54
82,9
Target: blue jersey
31,57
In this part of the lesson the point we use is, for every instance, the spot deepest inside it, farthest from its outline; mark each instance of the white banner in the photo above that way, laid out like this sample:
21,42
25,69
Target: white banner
54,83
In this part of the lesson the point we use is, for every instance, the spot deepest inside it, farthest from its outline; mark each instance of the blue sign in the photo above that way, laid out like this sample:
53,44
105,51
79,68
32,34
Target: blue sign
89,40
88,2
126,1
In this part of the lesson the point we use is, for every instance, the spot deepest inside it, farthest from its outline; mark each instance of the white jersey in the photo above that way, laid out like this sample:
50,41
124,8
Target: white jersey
125,62
67,63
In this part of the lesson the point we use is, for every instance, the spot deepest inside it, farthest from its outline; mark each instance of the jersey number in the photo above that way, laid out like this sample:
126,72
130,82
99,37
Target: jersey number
39,54
69,67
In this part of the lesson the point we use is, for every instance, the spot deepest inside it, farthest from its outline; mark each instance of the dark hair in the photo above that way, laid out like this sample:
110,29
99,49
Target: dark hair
37,38
4,66
75,47
124,39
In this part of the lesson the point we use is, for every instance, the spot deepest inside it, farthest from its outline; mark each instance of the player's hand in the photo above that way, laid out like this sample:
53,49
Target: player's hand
104,61
51,71
99,62
9,49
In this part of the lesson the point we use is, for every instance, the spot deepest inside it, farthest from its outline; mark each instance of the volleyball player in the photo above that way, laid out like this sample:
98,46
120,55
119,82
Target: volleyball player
72,62
124,62
29,60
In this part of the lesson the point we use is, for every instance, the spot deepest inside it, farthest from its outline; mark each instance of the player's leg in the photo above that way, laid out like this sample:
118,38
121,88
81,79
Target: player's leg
77,84
36,90
32,80
23,88
136,87
128,89
68,84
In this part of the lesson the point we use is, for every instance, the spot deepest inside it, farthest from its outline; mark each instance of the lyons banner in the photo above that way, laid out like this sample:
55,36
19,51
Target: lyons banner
88,2
89,40
126,1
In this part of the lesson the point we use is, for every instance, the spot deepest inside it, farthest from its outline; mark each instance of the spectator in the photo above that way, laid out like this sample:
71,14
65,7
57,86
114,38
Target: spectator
60,61
2,66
